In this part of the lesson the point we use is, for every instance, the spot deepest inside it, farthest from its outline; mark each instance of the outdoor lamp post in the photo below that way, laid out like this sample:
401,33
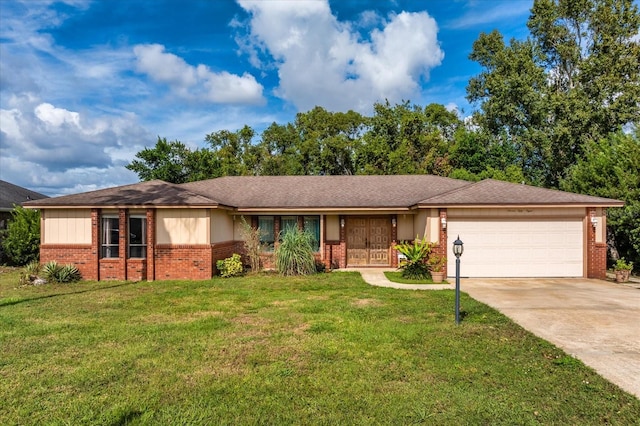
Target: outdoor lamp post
458,248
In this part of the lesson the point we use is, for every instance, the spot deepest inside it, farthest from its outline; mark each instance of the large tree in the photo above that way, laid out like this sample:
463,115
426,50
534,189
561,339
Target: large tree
235,153
407,139
174,162
611,168
571,83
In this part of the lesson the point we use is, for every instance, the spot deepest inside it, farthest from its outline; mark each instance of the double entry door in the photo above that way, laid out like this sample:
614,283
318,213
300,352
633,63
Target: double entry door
368,240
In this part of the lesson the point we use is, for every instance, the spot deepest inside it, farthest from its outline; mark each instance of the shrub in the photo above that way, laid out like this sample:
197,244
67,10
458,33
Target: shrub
21,242
30,272
320,267
416,253
294,254
252,246
231,266
55,273
437,263
623,265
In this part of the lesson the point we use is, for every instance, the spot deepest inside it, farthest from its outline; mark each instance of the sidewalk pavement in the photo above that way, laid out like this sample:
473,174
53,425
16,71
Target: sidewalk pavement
376,277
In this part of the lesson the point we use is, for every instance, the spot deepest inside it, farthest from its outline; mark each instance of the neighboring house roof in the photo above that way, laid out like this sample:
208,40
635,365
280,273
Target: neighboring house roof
325,192
495,192
151,193
11,194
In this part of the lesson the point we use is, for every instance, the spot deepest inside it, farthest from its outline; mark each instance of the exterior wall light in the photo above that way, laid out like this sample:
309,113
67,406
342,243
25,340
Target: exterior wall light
443,222
594,221
393,222
342,222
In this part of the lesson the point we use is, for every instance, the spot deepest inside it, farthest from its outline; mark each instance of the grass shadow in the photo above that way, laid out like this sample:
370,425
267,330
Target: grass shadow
15,301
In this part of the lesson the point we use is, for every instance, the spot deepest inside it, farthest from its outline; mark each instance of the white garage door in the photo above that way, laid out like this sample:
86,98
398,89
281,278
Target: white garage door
517,248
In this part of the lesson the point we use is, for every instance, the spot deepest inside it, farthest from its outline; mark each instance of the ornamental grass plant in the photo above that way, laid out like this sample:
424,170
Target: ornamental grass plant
294,254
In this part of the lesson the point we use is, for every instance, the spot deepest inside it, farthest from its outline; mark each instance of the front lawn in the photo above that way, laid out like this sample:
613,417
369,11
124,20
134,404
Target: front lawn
328,349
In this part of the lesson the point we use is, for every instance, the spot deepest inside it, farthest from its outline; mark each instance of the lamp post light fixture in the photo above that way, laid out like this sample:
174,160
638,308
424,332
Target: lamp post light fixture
458,248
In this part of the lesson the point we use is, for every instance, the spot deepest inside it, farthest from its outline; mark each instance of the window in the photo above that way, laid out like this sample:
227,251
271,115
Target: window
288,222
267,231
110,233
138,236
312,225
267,228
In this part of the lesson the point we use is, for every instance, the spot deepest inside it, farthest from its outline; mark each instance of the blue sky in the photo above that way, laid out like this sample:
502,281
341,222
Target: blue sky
85,85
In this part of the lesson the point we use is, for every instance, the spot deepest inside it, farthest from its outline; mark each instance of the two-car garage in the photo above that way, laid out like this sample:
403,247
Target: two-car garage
518,242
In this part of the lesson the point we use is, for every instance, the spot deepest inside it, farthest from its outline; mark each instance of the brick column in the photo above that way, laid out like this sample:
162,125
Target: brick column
394,239
441,248
95,245
123,231
342,263
596,252
151,244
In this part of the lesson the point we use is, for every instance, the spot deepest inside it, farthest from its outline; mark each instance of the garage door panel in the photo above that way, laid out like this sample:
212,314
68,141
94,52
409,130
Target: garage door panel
518,248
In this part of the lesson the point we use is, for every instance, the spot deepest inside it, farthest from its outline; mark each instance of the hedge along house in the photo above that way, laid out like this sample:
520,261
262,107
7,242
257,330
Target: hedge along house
157,230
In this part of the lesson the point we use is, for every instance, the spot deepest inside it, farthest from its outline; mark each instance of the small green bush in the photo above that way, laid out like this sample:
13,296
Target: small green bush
294,254
231,266
30,273
623,265
21,241
55,273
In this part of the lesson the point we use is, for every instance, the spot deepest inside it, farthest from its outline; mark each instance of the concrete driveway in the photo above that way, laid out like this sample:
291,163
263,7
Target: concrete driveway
595,321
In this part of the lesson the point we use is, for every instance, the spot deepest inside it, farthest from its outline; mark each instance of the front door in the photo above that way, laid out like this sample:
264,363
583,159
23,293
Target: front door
368,240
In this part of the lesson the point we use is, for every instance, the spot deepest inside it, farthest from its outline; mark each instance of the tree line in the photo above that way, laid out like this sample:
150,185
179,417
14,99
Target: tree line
560,109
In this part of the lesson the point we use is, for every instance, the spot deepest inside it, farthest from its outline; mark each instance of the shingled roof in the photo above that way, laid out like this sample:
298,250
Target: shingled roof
151,193
495,192
11,194
309,192
325,192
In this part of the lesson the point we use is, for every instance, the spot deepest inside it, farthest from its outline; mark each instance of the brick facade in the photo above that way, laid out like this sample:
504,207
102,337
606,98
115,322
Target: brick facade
184,262
80,255
197,261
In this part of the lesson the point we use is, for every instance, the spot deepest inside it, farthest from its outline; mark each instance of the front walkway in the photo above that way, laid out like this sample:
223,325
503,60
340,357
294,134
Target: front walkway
376,277
593,320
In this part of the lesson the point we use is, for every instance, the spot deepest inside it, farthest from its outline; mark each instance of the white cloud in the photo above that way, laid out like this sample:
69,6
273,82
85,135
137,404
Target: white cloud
56,117
484,12
322,61
42,145
196,83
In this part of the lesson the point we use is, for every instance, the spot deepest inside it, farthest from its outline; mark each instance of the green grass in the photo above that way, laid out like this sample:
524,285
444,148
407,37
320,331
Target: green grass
396,277
326,349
